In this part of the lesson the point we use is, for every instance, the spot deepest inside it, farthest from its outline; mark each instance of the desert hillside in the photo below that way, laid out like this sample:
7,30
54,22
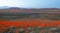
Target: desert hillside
30,10
25,18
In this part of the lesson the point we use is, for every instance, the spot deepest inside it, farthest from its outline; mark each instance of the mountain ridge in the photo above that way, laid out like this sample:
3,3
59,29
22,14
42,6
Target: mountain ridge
7,9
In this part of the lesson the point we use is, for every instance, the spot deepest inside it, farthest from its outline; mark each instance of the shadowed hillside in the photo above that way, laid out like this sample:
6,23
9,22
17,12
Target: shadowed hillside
31,10
20,13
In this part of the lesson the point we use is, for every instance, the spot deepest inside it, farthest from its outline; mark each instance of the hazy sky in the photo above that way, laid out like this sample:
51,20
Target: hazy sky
31,3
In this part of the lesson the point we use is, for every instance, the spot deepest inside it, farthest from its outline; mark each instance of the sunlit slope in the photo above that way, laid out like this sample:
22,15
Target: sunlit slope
30,22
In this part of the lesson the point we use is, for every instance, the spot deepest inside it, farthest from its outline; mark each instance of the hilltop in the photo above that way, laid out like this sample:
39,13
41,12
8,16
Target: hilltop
7,9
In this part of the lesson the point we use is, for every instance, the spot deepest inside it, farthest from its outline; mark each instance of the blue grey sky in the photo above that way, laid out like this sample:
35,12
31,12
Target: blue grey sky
31,3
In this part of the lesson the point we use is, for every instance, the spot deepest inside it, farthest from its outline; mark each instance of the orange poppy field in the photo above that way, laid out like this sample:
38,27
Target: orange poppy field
28,22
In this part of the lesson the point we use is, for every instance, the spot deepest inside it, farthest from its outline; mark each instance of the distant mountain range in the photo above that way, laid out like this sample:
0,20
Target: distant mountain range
4,9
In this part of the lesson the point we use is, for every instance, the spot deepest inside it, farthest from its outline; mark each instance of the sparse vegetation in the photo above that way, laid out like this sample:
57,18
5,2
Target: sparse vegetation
34,15
32,29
